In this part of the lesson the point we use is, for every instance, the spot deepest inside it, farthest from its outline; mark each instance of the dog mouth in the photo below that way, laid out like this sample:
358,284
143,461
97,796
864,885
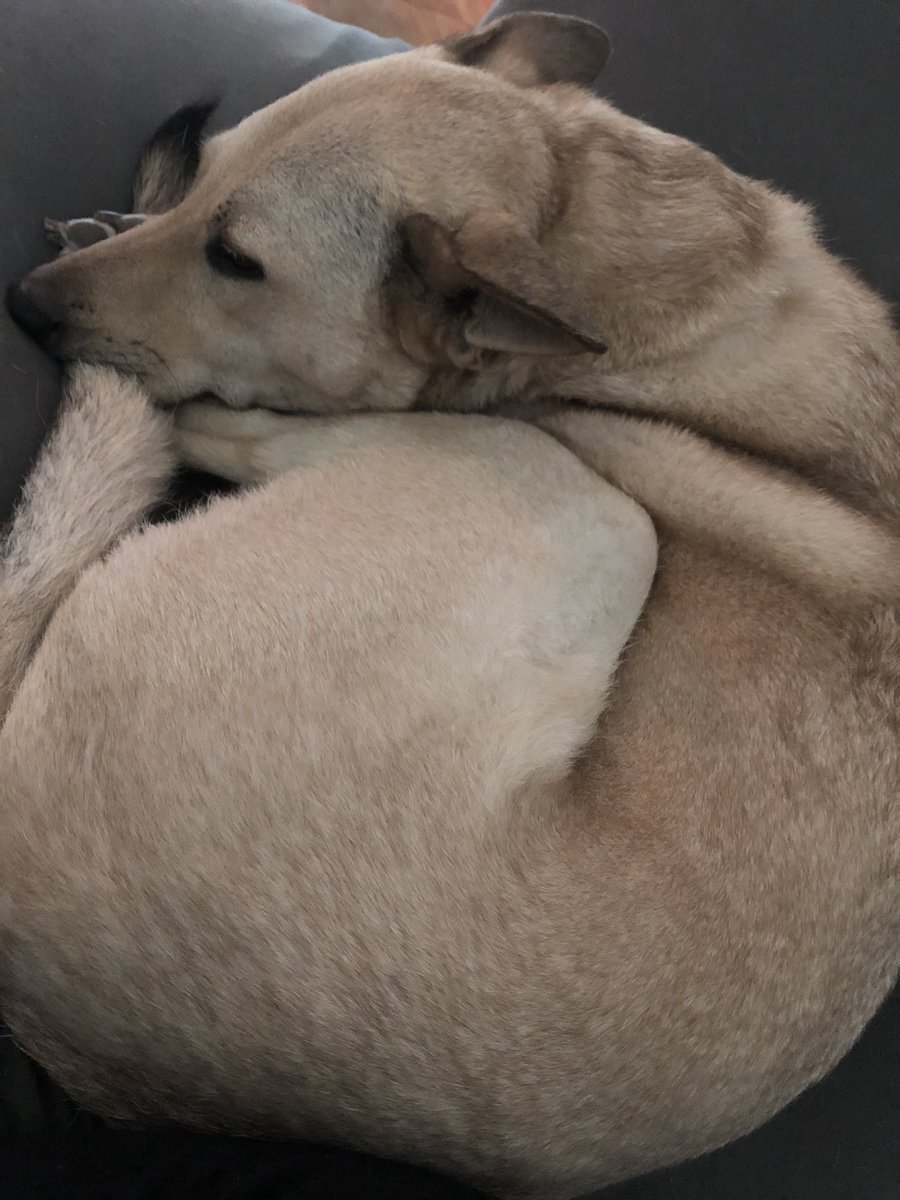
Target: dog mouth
203,396
145,365
170,404
207,396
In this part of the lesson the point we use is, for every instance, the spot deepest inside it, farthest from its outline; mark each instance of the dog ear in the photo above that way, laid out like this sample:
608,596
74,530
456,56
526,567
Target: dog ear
534,49
491,287
170,159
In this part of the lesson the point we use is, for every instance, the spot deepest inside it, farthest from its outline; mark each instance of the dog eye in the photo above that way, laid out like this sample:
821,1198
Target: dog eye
225,260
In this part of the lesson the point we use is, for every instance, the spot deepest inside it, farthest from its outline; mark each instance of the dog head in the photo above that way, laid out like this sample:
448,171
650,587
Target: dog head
397,230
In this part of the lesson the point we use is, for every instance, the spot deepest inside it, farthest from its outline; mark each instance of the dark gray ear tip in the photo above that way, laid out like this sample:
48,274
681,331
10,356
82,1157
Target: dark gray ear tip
171,157
592,39
181,134
600,42
569,49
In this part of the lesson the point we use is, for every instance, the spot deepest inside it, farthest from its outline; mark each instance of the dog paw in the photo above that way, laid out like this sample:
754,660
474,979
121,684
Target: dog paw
223,441
202,416
81,232
253,445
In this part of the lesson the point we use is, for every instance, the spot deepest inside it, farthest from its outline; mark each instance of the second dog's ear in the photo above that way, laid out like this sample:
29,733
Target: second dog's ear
170,159
488,286
534,49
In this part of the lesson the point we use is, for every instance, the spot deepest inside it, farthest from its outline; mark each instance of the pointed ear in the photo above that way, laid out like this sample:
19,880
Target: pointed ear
170,159
535,49
497,288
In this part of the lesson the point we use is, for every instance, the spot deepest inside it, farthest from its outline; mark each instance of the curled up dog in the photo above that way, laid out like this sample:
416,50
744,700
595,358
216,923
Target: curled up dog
521,801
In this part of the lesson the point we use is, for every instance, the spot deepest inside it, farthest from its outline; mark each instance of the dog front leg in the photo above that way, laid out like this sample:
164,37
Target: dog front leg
106,464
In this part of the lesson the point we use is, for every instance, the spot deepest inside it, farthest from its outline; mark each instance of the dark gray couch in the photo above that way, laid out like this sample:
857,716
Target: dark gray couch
803,92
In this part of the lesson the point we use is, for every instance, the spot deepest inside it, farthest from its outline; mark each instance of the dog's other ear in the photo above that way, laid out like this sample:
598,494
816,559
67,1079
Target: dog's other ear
170,159
534,49
490,286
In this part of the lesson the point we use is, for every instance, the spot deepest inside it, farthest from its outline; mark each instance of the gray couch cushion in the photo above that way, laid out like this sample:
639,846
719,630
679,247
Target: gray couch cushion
83,85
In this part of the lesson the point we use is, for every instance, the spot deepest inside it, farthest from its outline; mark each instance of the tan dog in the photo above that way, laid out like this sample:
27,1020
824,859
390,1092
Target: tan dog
294,835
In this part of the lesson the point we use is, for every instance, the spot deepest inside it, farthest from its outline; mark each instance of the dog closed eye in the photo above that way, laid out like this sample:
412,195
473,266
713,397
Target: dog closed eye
225,260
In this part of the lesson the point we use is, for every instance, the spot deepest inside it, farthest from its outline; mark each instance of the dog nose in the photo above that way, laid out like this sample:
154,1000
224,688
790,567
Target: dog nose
31,307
